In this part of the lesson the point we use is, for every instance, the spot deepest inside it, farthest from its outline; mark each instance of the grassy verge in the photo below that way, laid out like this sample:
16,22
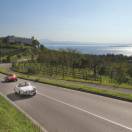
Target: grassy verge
12,120
74,86
123,85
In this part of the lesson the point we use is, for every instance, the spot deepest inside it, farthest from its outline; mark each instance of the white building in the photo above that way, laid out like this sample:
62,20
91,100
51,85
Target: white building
20,40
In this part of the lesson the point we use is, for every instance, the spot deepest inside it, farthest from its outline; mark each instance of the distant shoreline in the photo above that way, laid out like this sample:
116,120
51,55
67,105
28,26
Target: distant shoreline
95,49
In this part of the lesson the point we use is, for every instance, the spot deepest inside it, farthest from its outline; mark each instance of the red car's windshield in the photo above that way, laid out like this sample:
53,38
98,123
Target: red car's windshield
12,75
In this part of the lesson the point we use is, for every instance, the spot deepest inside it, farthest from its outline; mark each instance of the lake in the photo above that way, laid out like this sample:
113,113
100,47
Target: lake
98,49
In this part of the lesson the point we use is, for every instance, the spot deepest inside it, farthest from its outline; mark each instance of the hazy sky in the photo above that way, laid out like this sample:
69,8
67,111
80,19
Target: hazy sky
69,20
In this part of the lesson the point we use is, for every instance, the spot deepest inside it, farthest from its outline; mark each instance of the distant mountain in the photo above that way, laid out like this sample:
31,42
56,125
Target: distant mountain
50,42
46,41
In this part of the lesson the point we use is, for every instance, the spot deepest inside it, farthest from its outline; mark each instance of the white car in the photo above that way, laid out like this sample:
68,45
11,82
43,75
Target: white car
25,88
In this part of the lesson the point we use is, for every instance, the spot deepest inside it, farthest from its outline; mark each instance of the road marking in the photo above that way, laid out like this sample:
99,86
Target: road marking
80,109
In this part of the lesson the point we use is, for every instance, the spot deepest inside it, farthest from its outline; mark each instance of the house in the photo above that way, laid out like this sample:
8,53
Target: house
20,40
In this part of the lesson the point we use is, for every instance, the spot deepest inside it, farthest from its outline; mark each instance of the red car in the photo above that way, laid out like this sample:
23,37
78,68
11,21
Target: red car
11,78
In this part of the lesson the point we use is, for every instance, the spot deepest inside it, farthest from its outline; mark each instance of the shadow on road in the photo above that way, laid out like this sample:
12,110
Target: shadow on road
7,82
15,97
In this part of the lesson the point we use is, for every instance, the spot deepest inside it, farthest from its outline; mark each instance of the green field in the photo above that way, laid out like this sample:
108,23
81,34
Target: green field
12,120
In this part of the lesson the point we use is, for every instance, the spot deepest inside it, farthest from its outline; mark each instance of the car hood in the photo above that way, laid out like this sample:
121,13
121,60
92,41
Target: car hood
27,88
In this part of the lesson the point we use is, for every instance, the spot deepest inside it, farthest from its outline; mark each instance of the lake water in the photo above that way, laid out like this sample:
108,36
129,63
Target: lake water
97,49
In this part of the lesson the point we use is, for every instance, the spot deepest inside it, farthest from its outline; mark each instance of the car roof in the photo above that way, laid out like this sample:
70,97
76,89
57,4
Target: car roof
24,83
12,74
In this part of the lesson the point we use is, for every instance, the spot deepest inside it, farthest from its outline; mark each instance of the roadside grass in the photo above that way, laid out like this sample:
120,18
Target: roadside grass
90,81
104,83
12,120
3,70
73,86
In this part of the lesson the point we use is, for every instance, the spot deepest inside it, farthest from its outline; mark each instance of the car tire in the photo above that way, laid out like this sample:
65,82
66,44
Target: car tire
19,93
34,94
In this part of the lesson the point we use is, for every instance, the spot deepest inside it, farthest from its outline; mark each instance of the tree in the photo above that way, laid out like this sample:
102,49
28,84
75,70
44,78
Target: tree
120,74
41,46
8,58
35,43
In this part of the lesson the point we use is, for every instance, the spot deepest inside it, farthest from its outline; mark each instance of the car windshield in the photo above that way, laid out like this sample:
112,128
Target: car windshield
12,75
24,84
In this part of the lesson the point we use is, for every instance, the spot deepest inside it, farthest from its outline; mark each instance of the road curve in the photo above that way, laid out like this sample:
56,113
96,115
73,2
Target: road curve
64,110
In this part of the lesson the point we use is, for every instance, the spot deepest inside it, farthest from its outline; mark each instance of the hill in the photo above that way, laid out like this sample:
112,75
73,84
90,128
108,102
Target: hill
17,48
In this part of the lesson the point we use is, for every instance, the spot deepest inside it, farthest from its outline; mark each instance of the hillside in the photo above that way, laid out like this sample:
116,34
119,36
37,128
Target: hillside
14,51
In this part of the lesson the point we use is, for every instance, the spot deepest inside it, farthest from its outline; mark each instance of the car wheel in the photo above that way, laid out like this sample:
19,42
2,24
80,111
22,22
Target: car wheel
19,93
34,94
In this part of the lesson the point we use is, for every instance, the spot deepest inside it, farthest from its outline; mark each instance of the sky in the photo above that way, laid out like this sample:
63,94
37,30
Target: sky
68,20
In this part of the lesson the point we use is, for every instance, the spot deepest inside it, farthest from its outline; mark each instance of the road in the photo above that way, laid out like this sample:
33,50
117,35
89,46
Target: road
64,110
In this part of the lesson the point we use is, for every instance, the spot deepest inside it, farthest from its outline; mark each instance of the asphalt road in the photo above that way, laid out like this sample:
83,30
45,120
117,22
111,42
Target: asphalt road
64,110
